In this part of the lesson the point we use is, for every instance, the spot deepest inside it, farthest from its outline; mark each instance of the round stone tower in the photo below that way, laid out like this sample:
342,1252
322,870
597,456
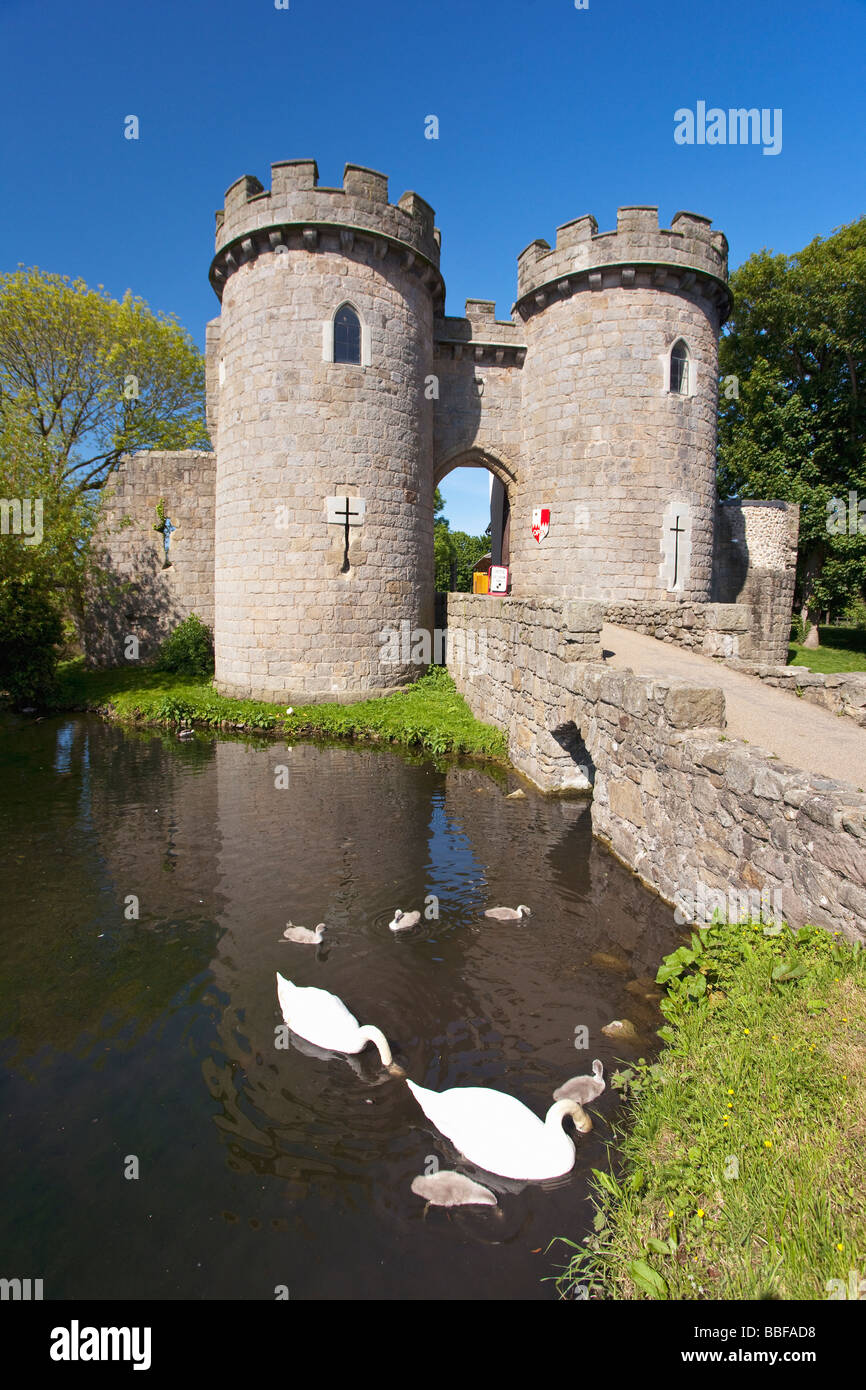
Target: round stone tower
619,404
324,515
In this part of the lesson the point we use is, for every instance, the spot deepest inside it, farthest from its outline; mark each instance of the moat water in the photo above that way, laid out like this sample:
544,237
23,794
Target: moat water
154,1038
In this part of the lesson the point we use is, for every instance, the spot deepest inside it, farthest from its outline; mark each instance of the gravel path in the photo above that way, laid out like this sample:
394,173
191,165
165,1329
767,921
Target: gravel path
801,734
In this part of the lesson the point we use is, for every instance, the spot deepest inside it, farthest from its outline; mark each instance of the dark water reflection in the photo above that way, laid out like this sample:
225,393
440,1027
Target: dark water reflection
155,1037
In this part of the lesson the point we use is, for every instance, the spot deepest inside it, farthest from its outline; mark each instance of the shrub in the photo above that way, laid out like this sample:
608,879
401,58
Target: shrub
188,651
855,613
31,629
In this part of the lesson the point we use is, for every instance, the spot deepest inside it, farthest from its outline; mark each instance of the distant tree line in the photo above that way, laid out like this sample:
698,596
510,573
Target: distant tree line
455,552
796,428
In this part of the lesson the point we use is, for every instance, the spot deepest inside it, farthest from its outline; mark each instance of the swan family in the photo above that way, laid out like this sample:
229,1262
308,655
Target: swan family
404,920
493,1130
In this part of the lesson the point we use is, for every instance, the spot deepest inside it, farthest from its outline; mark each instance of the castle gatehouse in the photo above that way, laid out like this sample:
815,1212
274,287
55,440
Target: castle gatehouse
340,393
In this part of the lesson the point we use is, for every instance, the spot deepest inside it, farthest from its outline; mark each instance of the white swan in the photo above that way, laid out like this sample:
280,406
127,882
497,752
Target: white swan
452,1190
583,1089
303,934
500,1134
509,914
323,1019
404,920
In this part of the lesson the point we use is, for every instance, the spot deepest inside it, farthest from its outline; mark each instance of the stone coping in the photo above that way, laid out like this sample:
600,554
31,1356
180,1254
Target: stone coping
842,692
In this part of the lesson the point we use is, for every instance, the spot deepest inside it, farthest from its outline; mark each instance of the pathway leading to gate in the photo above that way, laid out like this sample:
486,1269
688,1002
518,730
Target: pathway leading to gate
801,734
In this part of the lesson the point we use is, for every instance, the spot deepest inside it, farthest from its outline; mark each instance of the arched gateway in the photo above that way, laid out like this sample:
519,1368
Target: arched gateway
503,492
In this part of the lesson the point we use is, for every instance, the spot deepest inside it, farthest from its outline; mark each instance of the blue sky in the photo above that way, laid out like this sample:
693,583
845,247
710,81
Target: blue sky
546,112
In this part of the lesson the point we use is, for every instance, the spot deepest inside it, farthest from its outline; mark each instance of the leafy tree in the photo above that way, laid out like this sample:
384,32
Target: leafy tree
43,558
796,344
83,379
455,552
443,545
97,378
468,551
31,629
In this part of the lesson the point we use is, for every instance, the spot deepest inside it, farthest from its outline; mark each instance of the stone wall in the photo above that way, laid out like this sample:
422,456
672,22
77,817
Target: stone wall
510,658
755,562
700,818
696,814
213,373
714,629
841,693
136,596
477,363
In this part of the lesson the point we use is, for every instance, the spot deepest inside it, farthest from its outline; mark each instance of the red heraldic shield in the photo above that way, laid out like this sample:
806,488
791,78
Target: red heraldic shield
540,522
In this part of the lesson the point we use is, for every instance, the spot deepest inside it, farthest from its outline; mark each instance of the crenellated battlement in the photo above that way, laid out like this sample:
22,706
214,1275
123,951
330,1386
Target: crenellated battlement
480,336
480,323
296,199
638,251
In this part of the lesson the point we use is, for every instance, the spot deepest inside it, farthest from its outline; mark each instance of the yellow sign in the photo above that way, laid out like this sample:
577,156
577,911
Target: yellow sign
480,583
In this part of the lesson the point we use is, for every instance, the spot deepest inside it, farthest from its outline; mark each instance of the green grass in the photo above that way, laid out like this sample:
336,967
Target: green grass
841,649
742,1169
430,714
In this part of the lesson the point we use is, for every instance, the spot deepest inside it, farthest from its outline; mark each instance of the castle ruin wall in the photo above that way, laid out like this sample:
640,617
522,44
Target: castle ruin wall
136,594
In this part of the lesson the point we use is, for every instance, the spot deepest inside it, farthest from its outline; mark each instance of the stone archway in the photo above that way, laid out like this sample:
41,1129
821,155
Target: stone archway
504,473
476,456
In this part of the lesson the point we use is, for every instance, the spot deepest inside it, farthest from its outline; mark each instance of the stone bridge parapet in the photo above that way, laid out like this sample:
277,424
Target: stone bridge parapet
712,824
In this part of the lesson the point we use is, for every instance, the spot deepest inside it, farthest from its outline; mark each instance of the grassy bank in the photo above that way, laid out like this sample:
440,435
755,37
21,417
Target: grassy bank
431,714
841,649
742,1168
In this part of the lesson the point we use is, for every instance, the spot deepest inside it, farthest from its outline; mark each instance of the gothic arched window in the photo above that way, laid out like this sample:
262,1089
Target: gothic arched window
347,336
679,380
